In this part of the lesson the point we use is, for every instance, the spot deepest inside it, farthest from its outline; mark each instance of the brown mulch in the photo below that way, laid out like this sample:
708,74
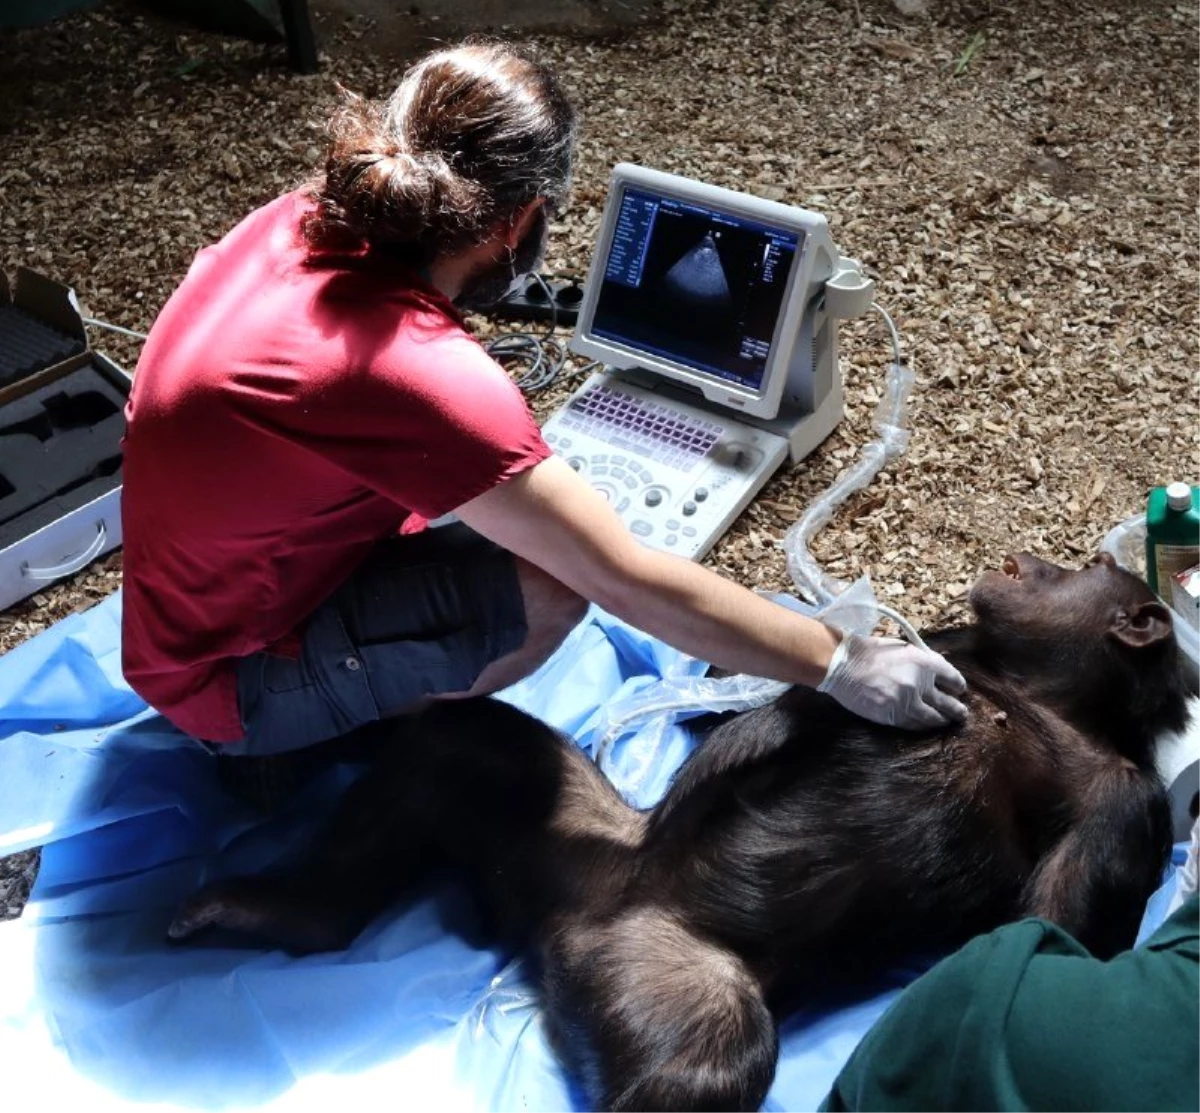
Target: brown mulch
1019,177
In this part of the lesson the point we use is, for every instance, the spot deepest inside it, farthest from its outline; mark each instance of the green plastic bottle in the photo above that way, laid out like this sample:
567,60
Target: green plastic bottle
1172,534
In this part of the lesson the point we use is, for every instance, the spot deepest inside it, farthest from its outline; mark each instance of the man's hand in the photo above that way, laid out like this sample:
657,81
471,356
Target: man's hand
891,682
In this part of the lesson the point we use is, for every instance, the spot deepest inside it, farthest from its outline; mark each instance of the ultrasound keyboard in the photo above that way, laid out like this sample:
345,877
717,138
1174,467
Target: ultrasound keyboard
678,475
651,429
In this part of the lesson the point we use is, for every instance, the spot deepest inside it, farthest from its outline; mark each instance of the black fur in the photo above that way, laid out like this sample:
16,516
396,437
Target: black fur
796,842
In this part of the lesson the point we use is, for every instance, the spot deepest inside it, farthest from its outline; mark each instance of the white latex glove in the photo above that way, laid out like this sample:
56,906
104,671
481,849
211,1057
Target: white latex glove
891,682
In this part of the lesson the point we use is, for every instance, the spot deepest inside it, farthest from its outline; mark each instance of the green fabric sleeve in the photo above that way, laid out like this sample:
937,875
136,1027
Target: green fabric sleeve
1025,1018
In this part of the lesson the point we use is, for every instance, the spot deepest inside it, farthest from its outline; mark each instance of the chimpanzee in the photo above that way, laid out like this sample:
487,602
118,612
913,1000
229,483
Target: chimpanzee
798,839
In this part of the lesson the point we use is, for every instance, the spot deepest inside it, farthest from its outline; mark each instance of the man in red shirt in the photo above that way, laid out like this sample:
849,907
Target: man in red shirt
308,400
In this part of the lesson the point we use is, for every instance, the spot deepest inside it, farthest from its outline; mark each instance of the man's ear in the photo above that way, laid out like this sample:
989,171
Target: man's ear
1145,624
522,222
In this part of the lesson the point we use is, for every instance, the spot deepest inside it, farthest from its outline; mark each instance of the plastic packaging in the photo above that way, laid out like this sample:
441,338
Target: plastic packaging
891,425
1188,877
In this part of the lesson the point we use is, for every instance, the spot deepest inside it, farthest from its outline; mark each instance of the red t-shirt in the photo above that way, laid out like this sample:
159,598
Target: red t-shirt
289,410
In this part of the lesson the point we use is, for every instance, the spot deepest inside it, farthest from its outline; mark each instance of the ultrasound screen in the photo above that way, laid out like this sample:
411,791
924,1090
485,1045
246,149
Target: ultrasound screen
694,286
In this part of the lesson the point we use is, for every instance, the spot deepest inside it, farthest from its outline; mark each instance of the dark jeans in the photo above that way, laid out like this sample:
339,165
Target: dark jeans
423,615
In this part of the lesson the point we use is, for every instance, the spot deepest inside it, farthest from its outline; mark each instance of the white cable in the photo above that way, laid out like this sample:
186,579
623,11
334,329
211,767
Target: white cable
909,630
891,425
114,328
898,357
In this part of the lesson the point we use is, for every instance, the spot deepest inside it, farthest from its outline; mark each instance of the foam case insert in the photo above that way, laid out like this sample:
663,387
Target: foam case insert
27,344
60,445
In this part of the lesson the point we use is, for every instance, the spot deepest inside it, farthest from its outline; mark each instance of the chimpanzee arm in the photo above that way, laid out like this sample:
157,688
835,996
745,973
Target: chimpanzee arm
746,740
1096,882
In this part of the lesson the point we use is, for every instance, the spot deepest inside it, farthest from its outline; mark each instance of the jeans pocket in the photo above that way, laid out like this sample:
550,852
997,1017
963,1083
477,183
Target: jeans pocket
281,675
402,672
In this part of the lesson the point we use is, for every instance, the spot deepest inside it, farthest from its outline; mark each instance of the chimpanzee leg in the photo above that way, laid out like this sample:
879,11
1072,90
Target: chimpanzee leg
377,843
268,908
467,782
655,1017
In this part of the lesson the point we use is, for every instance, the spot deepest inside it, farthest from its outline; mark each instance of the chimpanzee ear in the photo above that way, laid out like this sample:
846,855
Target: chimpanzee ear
1145,624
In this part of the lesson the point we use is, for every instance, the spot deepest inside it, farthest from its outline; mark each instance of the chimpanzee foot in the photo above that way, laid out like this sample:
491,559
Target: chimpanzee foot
260,908
237,905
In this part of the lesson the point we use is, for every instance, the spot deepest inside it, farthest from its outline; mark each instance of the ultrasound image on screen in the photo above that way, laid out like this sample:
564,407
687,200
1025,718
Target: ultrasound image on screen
694,286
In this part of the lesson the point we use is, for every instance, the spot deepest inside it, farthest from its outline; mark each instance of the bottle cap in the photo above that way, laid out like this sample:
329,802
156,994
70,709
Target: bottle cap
1179,496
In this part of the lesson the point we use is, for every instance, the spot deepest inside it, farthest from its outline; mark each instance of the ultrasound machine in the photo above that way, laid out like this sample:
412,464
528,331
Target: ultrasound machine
714,317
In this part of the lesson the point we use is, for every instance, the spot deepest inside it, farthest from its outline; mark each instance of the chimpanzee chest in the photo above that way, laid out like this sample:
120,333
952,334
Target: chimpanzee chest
1011,771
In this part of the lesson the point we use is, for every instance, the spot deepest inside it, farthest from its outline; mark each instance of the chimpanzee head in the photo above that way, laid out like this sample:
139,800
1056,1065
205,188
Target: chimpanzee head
1095,643
1047,607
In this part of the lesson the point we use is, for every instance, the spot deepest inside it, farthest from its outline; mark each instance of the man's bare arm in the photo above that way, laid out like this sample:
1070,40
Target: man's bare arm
551,517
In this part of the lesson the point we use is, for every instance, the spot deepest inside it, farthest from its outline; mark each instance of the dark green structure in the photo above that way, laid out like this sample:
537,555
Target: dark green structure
261,20
252,18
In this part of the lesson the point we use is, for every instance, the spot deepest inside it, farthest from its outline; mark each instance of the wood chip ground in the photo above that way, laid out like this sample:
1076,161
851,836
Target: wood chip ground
1019,177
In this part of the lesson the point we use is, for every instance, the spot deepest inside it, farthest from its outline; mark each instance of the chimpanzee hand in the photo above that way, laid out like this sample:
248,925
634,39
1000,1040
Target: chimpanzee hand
891,682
